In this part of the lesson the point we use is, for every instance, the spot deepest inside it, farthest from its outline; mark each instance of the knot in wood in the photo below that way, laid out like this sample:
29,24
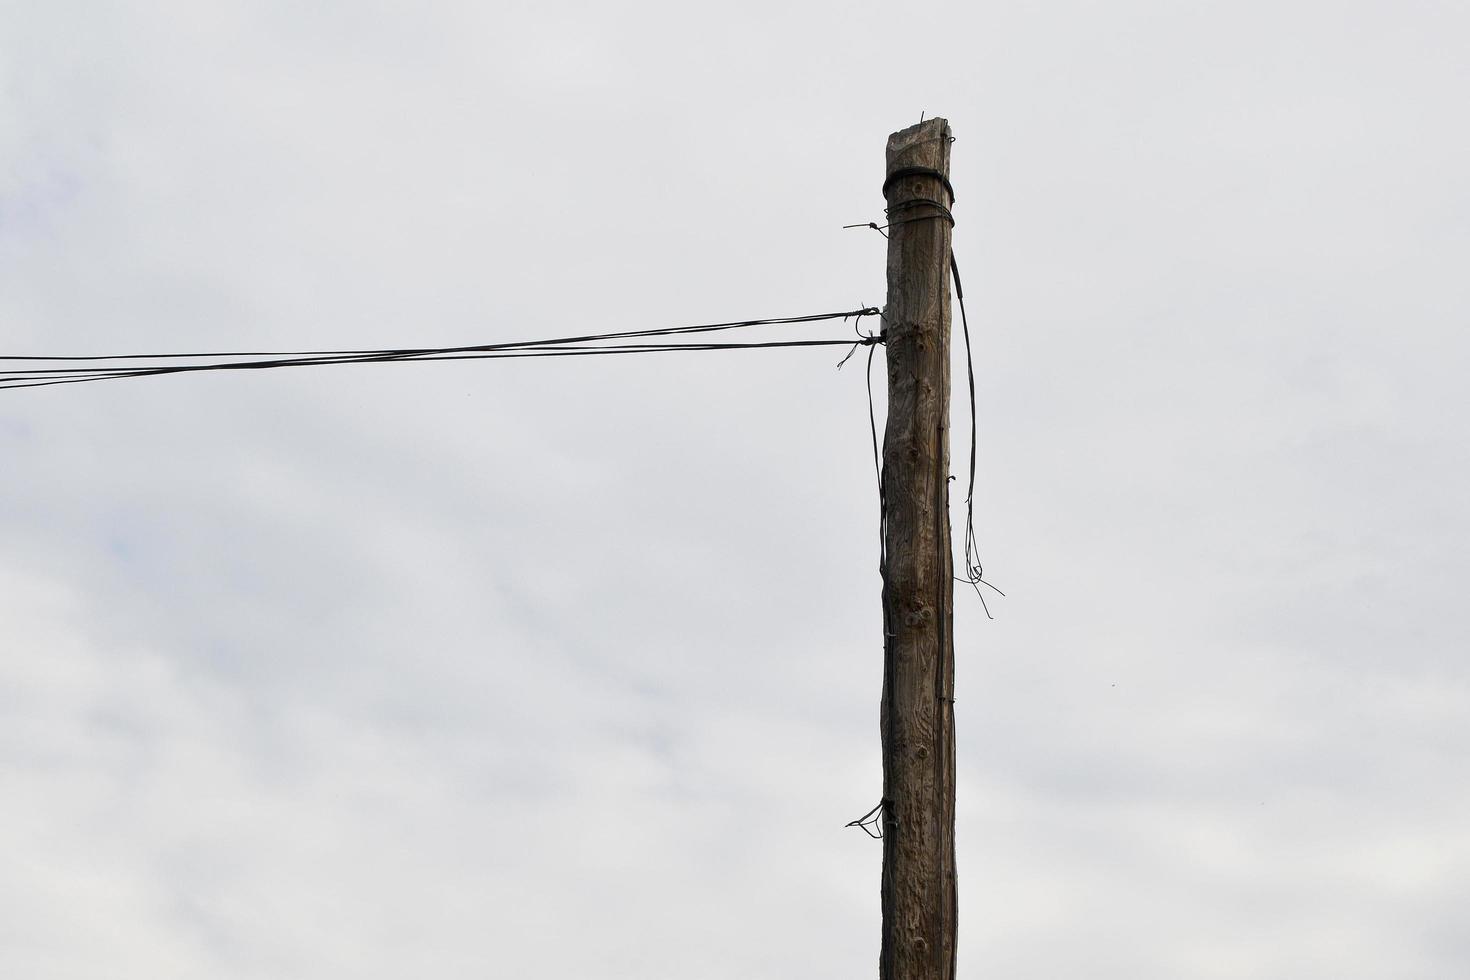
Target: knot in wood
919,614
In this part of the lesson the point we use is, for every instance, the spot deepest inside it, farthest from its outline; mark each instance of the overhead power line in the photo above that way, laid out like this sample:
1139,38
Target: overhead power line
45,370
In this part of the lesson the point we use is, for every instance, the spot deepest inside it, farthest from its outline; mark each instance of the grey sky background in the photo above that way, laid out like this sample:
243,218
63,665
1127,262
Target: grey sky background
571,669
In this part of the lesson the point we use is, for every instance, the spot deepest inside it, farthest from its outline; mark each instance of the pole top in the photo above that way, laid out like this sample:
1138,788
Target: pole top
934,128
922,150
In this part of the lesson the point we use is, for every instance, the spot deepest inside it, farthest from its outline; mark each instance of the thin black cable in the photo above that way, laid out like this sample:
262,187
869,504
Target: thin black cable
103,375
941,212
34,376
904,172
878,469
863,339
342,357
410,351
974,570
871,823
40,381
526,351
869,224
926,202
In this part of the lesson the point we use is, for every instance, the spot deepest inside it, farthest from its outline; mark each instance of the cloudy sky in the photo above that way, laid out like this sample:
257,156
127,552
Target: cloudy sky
571,668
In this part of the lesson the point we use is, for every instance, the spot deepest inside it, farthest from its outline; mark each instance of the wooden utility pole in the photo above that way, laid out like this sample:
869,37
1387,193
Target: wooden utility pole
917,718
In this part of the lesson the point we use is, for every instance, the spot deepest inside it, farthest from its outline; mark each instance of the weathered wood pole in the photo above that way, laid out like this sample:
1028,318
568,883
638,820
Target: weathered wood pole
917,715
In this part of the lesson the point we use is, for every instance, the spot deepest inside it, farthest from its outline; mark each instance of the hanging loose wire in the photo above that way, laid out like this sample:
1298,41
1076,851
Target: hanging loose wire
974,571
45,370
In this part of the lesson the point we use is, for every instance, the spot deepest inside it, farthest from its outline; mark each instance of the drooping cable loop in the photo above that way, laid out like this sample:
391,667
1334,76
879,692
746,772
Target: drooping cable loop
974,571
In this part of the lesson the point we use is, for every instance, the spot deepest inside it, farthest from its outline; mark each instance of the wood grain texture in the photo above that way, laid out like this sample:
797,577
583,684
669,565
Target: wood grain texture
917,715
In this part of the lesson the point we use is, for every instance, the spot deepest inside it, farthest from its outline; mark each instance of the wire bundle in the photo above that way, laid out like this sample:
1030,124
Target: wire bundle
45,370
